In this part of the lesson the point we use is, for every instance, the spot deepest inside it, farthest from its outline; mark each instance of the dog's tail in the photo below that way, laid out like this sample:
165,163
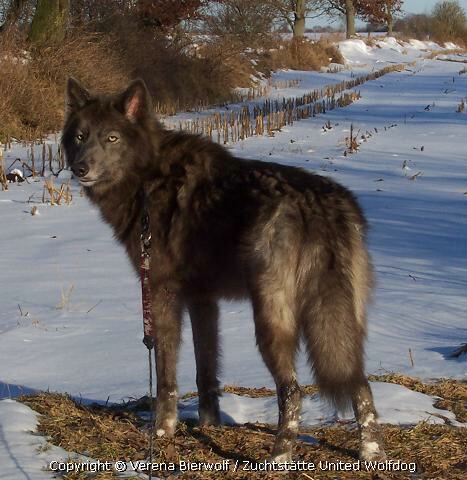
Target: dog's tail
333,320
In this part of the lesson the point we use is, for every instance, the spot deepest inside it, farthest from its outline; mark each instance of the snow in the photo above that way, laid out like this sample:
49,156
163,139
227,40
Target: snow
355,48
395,404
17,172
358,53
71,316
22,454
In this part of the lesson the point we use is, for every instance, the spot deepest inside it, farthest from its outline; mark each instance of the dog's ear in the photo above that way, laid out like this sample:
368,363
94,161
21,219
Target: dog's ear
135,102
76,95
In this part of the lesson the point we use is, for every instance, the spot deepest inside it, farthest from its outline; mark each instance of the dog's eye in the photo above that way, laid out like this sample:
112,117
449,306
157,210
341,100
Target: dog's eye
79,137
112,138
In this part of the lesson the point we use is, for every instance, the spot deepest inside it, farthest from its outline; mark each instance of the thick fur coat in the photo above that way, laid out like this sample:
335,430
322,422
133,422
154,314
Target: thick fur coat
223,227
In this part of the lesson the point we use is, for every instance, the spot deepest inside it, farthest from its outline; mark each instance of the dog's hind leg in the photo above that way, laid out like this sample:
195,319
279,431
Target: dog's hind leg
371,441
204,322
277,338
167,315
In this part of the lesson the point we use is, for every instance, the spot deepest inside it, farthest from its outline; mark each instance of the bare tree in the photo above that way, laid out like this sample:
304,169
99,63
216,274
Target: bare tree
299,18
348,9
350,17
415,26
393,7
167,14
380,12
449,20
295,12
246,20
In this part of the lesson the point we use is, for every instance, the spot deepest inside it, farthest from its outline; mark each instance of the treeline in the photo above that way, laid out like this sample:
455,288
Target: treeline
49,19
447,22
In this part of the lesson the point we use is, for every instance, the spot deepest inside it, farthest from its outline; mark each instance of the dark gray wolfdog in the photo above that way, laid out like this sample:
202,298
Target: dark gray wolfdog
225,227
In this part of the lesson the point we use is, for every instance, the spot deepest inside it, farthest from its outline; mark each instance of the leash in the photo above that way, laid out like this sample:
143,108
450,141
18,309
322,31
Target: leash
148,339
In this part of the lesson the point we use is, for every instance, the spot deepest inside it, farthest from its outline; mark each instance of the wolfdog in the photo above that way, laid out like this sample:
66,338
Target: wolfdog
223,227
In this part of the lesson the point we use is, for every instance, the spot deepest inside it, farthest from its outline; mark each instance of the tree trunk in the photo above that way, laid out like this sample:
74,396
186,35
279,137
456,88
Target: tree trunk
350,18
299,19
49,21
390,27
390,20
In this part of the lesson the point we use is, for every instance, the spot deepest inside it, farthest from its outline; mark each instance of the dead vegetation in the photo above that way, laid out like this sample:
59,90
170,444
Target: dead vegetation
118,433
3,179
41,164
451,51
56,195
270,116
303,54
445,23
33,80
40,160
182,73
351,142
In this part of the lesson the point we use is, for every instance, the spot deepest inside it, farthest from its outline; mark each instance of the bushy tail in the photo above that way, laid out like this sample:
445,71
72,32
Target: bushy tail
333,323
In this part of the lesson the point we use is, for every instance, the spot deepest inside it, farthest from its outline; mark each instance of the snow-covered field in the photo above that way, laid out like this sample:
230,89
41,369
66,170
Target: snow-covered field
410,175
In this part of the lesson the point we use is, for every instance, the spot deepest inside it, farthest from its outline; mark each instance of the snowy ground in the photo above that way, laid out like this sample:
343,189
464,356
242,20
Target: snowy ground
91,346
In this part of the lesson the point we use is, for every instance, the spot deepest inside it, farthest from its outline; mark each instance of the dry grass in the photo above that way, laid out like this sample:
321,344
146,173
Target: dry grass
270,116
41,162
182,75
263,391
351,142
65,297
32,83
117,433
453,51
301,55
3,179
56,195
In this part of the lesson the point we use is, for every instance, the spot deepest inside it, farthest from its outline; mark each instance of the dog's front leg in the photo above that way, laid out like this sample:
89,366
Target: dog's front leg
167,314
204,314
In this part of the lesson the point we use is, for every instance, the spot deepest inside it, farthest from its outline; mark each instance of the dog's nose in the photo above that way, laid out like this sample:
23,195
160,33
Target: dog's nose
81,170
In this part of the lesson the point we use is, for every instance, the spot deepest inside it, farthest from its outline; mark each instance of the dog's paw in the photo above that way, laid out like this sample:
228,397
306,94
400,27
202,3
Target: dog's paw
372,452
209,417
285,457
166,427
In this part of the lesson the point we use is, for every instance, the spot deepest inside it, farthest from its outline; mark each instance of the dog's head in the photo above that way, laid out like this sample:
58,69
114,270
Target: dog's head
106,137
